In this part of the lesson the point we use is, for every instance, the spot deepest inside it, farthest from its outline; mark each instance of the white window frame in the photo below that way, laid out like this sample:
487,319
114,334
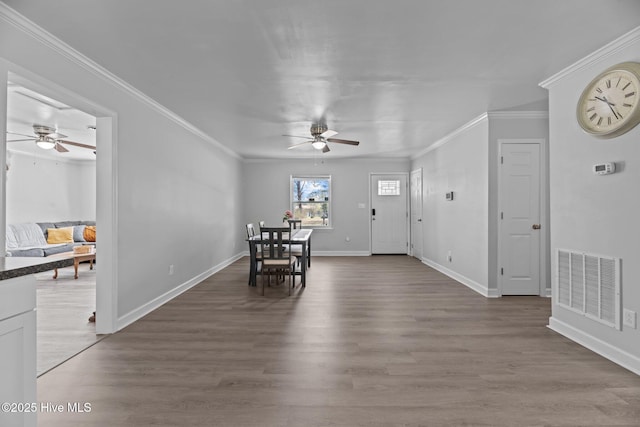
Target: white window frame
329,202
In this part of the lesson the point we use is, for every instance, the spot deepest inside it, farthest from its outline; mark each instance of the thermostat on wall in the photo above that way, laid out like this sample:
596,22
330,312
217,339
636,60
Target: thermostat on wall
604,168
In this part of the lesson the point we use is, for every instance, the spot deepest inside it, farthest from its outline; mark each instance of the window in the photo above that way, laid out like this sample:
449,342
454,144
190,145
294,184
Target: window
311,200
388,188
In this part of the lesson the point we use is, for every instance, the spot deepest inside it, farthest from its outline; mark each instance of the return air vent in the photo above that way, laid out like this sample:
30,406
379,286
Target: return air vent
590,285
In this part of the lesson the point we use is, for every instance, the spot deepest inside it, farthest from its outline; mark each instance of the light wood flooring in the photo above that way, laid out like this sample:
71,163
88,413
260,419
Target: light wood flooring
372,341
63,309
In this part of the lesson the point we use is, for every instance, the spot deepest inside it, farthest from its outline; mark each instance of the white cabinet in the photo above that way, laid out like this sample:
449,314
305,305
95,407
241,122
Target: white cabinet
18,350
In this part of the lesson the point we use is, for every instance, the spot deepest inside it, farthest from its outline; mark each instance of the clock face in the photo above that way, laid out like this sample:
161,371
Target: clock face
608,106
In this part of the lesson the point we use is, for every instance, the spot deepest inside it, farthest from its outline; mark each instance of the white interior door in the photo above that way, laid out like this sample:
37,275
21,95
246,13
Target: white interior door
520,219
389,215
415,188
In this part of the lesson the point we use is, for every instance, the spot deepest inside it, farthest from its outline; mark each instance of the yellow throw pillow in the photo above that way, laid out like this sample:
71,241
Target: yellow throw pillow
89,233
60,235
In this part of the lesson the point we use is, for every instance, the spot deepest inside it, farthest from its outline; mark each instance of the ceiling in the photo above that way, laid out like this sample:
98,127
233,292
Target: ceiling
396,75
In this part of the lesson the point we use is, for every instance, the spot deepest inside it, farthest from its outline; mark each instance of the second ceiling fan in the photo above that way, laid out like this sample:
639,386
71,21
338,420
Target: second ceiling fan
320,136
48,138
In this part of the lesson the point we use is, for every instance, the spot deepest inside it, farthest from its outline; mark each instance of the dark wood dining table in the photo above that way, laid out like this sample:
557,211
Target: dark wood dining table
300,237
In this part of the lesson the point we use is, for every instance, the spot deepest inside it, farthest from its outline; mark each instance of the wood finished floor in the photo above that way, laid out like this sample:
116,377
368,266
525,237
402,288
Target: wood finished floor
371,341
63,309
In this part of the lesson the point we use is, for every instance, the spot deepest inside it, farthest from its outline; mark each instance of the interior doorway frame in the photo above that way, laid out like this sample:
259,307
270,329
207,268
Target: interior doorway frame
106,182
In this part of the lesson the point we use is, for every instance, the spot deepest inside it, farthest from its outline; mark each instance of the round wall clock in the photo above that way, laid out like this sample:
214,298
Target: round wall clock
608,106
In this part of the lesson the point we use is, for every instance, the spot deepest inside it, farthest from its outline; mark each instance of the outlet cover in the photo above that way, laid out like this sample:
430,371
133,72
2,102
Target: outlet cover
629,318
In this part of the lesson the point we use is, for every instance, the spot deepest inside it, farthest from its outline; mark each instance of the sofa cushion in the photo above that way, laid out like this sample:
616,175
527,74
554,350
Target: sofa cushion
90,233
24,236
65,224
56,249
39,252
60,235
78,233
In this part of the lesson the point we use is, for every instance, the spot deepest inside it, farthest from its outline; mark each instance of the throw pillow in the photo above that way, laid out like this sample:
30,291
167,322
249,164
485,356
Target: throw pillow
78,233
60,235
90,233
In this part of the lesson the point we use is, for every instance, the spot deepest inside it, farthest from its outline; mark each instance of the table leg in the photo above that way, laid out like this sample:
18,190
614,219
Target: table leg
76,262
252,264
303,264
90,264
55,273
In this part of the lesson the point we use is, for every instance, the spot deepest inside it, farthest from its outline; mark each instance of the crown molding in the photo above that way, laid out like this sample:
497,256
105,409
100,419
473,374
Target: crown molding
601,54
516,115
439,143
32,30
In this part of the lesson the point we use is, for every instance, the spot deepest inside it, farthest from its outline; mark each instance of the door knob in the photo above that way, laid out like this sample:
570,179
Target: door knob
536,226
419,219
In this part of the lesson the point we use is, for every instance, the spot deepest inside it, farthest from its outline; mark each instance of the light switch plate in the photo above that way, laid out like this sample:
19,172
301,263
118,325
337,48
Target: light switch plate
629,318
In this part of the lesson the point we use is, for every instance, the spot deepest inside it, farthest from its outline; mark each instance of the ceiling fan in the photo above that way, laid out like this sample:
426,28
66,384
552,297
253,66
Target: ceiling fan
48,138
320,136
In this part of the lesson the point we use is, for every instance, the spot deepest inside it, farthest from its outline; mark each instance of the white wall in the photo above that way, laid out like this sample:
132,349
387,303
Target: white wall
266,197
460,164
595,214
42,189
178,193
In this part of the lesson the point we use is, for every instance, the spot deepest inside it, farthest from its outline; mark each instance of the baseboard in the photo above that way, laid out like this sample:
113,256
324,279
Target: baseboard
147,308
471,284
341,253
604,349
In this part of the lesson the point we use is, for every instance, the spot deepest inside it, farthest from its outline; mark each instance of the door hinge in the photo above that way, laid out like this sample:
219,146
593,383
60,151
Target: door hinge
501,215
501,159
502,271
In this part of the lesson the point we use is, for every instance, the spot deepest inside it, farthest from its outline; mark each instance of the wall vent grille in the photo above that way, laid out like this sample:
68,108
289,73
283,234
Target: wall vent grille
590,285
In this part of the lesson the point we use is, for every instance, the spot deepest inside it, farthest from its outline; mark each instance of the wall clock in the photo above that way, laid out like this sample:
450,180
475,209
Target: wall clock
608,106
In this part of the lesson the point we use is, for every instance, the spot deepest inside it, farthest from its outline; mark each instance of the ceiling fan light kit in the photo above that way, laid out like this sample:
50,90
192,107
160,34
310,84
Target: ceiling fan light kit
45,143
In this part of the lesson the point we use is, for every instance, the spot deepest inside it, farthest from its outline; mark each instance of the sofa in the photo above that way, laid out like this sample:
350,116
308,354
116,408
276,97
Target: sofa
32,239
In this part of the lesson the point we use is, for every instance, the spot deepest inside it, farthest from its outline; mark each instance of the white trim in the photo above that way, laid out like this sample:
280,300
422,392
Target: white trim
471,284
439,143
58,46
516,115
157,302
604,349
599,55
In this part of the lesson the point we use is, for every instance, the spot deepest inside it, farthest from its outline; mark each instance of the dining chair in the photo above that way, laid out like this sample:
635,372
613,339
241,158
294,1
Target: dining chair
251,232
277,257
296,224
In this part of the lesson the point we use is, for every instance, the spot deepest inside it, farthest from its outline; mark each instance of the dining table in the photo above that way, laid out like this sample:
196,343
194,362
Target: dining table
300,237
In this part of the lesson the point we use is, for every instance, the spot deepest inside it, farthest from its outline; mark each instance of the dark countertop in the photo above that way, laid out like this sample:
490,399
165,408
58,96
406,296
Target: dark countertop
11,267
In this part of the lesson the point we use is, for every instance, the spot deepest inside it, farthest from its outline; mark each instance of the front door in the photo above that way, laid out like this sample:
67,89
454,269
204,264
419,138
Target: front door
520,218
389,222
416,213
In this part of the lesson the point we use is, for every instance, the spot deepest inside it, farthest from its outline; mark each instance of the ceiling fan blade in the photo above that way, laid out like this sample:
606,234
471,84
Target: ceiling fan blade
21,140
60,148
325,149
298,136
343,141
328,133
21,134
77,144
56,135
297,145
